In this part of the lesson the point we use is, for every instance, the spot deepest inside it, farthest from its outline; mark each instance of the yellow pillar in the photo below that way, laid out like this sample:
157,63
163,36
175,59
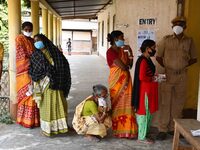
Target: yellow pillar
198,107
50,26
58,31
193,21
35,16
55,30
45,21
61,30
14,25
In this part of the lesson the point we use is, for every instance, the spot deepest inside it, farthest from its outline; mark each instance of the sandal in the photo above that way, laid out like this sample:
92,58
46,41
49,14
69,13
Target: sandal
146,141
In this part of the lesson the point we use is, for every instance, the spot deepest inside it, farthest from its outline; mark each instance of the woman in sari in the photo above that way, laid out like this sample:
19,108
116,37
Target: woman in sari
27,111
88,120
119,59
49,69
145,92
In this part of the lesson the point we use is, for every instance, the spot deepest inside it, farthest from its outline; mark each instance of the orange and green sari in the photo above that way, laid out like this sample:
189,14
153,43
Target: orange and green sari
120,84
27,111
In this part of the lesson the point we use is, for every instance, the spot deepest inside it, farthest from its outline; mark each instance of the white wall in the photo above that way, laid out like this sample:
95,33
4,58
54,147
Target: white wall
103,16
128,13
80,24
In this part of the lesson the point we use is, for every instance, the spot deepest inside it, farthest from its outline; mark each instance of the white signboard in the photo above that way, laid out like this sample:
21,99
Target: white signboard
143,35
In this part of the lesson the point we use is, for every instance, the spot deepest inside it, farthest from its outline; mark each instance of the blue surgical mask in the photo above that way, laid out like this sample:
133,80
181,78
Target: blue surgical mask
39,45
119,43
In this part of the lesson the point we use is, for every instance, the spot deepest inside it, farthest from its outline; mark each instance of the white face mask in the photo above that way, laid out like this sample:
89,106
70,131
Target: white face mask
177,30
102,102
28,34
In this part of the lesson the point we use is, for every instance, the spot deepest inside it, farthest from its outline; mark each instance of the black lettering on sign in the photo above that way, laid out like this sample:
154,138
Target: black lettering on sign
150,21
142,21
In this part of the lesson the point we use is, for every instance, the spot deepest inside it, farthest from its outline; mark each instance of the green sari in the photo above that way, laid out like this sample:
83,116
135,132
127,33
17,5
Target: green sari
52,105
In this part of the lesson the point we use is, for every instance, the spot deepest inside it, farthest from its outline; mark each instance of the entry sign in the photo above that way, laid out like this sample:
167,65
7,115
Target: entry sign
149,21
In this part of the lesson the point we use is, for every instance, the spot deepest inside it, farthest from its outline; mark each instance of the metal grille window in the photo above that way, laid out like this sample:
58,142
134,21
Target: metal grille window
4,93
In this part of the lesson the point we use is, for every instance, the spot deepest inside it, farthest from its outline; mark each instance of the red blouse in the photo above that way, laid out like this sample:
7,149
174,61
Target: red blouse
111,55
149,87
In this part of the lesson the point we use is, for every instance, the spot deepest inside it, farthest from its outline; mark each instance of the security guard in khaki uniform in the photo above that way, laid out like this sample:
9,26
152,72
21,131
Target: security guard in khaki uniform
175,53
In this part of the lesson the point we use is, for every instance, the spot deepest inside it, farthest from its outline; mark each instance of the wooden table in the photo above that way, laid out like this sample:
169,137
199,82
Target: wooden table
183,127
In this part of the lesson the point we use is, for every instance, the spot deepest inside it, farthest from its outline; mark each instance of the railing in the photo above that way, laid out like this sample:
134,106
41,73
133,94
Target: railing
4,93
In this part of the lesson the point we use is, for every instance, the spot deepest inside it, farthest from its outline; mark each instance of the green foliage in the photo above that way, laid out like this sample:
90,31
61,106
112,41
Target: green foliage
6,118
3,1
4,24
4,27
4,30
26,3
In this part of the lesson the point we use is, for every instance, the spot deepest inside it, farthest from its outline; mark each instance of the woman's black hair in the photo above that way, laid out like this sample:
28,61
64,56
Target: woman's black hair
114,34
43,38
47,43
147,43
27,23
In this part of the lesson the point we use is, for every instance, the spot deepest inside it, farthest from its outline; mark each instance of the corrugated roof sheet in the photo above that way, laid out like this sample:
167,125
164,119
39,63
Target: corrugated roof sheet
73,9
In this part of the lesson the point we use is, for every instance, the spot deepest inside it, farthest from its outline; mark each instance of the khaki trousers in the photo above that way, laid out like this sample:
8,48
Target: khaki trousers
173,97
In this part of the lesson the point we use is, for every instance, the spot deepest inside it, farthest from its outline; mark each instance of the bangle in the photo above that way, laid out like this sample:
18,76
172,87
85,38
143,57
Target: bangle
130,57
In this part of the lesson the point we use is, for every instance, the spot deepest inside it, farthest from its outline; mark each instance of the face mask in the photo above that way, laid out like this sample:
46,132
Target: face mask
102,102
119,43
28,34
177,30
39,45
152,53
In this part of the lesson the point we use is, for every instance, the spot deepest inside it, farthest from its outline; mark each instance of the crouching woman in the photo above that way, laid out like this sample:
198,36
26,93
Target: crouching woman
88,120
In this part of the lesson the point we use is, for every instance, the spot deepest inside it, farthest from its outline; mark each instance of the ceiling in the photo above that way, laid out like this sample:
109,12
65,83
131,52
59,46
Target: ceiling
78,9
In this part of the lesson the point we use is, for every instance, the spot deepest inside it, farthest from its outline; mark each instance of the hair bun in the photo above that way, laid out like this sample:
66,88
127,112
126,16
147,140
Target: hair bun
109,37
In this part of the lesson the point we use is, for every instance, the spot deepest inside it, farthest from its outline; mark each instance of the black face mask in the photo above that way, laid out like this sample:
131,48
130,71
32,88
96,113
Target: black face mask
152,53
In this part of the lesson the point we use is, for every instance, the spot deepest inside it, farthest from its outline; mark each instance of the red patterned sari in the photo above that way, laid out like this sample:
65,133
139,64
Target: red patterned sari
123,117
27,111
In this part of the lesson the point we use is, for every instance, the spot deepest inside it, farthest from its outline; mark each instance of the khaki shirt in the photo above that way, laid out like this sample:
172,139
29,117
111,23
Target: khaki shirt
176,53
1,52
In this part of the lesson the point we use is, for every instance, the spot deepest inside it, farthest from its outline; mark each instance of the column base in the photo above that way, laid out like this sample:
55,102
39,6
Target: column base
13,110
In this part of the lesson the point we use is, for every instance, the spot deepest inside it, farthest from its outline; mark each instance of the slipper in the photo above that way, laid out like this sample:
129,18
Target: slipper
146,141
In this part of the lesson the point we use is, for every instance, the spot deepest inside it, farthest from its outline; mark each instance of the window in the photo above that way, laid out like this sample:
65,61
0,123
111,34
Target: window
99,25
114,19
108,29
102,35
108,24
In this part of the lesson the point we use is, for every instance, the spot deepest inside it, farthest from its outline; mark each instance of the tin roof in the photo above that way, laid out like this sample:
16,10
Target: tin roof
73,9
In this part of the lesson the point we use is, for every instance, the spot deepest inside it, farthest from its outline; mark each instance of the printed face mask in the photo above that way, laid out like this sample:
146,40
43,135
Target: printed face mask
39,44
119,43
28,34
177,30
